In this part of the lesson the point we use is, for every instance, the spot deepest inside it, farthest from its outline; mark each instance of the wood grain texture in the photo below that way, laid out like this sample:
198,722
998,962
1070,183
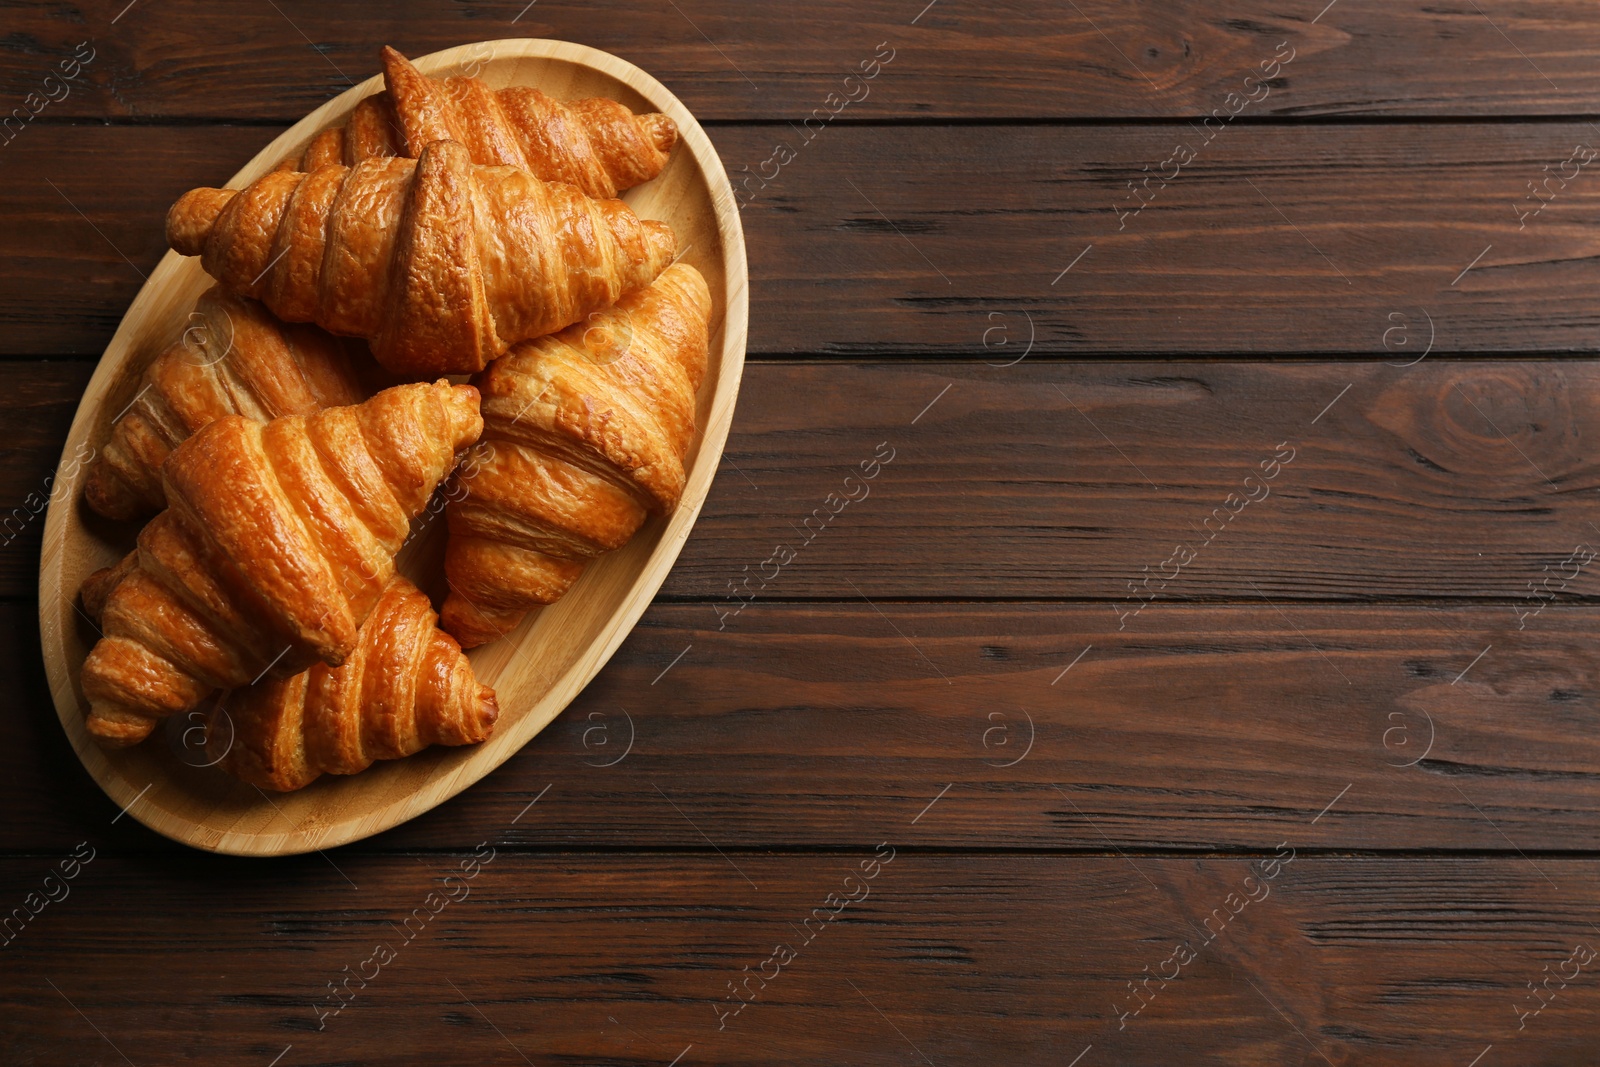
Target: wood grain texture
1058,480
912,646
1193,728
1275,240
624,959
37,400
1103,58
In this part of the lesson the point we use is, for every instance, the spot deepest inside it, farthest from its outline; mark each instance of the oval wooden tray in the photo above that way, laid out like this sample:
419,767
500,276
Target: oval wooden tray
538,669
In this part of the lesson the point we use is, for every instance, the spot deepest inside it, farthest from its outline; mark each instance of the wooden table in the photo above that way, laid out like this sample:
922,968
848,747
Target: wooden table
1209,675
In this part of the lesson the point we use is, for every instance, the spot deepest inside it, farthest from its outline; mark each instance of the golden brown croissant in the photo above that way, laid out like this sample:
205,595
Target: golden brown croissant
277,540
596,144
585,434
441,264
406,686
234,359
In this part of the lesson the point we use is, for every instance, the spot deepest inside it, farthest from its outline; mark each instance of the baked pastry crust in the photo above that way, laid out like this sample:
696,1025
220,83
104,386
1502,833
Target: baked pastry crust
277,541
585,436
234,358
439,263
596,144
405,686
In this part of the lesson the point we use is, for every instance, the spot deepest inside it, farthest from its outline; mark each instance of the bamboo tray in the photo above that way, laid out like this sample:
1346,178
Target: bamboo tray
536,670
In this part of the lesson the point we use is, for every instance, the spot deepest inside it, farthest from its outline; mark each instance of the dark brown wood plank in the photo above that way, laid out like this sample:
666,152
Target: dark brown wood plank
79,245
626,959
922,240
1033,726
1102,58
37,402
1052,480
1084,480
1274,240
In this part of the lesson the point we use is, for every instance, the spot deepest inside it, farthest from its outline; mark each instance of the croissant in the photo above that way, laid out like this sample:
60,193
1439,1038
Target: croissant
441,264
234,359
585,434
277,540
406,686
596,144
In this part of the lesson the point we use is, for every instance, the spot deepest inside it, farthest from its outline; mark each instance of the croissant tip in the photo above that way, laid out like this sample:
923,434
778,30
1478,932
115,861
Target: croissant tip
662,130
116,730
93,593
663,243
395,63
97,588
488,708
466,622
465,394
446,148
104,495
190,220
